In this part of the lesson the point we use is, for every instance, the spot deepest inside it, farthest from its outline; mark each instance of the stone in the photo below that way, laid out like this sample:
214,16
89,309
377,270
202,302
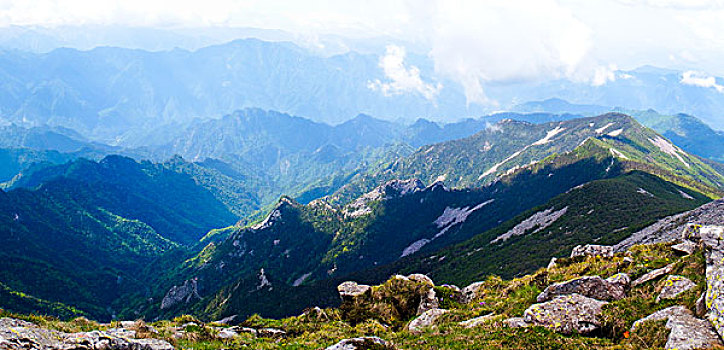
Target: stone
316,313
566,314
226,321
515,322
478,321
349,289
552,263
362,343
711,237
270,333
701,305
226,333
471,292
687,331
673,286
427,319
592,250
686,247
428,302
628,260
418,277
589,286
652,275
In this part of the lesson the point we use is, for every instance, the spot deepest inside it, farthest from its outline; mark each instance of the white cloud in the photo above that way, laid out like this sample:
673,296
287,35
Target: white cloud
402,79
700,79
604,74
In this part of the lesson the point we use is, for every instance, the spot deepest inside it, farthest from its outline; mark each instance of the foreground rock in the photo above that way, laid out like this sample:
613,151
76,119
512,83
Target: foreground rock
478,321
673,286
613,288
686,247
566,314
16,334
395,301
711,237
425,320
592,250
362,343
687,331
653,275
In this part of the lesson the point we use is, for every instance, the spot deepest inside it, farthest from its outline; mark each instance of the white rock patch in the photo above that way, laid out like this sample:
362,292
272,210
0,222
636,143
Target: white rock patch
496,166
668,148
414,247
541,220
603,128
549,136
615,133
301,279
644,192
617,153
685,195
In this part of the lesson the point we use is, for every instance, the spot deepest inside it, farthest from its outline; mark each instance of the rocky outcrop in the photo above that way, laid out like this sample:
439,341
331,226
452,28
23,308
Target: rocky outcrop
686,247
673,286
16,334
363,343
184,293
393,302
712,238
427,319
566,314
390,189
687,331
595,287
471,292
653,275
669,229
592,250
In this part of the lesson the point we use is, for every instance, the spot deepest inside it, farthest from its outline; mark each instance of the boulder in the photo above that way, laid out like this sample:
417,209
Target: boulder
594,287
363,343
428,302
653,275
425,320
673,286
566,314
475,322
418,277
471,292
701,305
686,247
687,331
515,322
592,250
552,263
712,238
315,314
270,333
226,333
349,289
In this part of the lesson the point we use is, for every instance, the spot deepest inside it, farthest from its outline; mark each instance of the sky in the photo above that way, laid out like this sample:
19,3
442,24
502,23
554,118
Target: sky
473,42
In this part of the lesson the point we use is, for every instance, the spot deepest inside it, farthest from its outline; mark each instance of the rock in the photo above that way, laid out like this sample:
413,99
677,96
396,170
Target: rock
515,322
184,293
628,260
687,331
471,292
249,330
349,289
566,314
24,335
589,286
270,333
226,333
592,250
673,286
686,247
418,277
428,302
552,263
425,320
475,322
653,275
711,237
226,321
316,313
363,343
701,305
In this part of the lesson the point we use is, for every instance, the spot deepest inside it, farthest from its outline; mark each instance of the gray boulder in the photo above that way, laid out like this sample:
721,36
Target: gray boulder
686,247
516,322
350,290
471,292
594,287
184,293
428,301
712,238
475,322
418,277
673,286
566,314
425,320
687,331
362,343
592,250
653,275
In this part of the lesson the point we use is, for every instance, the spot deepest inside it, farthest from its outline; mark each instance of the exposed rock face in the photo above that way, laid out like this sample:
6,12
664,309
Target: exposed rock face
653,275
538,221
391,189
184,293
595,287
362,343
428,302
566,314
475,322
669,229
592,250
348,290
711,237
425,320
673,286
687,331
16,334
515,322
